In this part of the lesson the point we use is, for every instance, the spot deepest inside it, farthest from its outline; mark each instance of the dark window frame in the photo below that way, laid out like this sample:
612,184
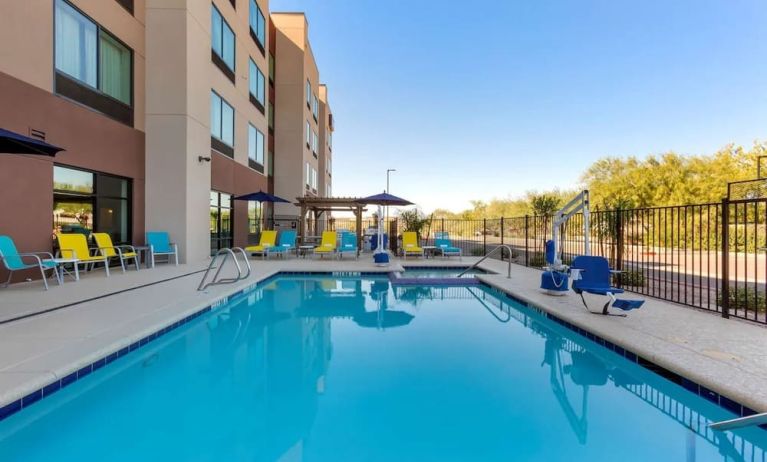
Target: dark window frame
254,98
82,93
94,197
254,34
217,59
253,163
219,206
220,145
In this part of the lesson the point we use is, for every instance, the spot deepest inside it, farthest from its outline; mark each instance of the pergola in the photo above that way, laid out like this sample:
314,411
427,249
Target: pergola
319,205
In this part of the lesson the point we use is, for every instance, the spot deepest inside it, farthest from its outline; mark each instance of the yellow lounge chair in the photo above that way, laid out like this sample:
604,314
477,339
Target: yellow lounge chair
410,244
328,244
268,239
110,251
75,246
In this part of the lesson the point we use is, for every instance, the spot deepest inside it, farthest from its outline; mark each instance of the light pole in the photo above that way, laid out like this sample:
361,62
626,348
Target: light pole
386,215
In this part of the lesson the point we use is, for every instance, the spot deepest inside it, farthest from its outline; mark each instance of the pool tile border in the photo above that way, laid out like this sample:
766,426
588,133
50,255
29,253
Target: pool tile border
53,387
690,385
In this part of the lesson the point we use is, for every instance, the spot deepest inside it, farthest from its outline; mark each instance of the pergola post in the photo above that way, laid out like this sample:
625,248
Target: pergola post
358,216
301,224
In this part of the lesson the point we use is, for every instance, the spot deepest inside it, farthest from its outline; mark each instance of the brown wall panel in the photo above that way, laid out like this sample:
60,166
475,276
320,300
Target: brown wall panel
92,141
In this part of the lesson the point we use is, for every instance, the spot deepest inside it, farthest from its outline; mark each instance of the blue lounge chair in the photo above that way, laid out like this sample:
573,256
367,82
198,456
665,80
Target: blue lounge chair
594,278
443,244
286,244
348,245
159,244
14,261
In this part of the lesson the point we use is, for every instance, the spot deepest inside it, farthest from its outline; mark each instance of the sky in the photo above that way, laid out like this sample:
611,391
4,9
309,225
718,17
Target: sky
491,99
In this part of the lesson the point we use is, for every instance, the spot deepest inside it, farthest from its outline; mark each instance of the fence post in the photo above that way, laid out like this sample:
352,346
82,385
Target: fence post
484,236
443,225
725,291
502,259
527,221
619,243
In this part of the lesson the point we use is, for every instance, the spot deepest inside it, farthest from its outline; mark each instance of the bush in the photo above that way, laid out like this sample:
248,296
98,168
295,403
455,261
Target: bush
536,260
478,252
744,298
631,278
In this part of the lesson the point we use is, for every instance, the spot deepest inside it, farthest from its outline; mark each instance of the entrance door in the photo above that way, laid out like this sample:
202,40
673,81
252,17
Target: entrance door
220,221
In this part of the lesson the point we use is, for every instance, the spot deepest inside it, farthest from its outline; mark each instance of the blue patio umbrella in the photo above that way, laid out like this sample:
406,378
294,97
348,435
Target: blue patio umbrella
13,143
260,197
380,256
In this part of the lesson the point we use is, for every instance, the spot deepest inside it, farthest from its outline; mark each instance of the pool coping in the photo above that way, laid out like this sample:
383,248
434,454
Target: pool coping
37,391
666,371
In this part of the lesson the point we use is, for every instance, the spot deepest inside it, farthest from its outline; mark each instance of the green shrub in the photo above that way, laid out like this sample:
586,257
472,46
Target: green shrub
478,252
744,298
631,278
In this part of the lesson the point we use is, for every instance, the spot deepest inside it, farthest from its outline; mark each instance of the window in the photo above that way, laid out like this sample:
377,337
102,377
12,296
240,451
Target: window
256,83
257,24
93,67
85,201
220,221
330,140
221,124
315,106
308,176
308,94
314,180
255,148
308,134
271,68
270,117
315,142
222,43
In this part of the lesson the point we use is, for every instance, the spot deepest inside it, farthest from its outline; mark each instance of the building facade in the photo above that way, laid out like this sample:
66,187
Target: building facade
166,111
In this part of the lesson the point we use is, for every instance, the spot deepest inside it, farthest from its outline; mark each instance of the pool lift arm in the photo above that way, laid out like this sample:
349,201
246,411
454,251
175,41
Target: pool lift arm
554,279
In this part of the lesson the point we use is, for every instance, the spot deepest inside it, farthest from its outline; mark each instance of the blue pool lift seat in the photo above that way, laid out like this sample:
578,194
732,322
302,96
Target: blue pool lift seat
594,279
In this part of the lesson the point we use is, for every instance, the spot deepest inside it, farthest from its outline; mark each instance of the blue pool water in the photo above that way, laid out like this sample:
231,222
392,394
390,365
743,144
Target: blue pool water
324,369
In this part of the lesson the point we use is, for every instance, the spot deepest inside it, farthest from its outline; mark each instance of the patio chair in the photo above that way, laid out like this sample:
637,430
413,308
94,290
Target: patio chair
327,245
594,278
286,244
410,244
159,244
109,250
75,247
267,241
348,245
14,261
445,246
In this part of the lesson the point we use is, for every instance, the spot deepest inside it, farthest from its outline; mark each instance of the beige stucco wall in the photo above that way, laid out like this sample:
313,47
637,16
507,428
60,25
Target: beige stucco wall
325,175
31,59
294,65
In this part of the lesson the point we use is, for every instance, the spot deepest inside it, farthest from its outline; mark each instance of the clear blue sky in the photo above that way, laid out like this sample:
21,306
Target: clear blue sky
483,99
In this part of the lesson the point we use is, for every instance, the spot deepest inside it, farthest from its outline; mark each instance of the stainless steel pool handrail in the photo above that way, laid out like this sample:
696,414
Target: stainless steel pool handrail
747,421
501,247
226,252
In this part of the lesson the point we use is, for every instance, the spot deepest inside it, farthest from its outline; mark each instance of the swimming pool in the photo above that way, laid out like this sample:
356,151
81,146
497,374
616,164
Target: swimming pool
322,368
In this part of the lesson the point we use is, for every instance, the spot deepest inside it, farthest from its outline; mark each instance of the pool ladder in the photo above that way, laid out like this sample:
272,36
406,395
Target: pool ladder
747,421
226,254
500,247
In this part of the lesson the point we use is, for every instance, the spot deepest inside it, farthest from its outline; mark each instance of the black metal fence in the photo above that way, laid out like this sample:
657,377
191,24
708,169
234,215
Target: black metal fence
708,256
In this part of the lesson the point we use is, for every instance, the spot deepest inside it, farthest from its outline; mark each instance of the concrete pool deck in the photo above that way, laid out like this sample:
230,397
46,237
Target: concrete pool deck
97,316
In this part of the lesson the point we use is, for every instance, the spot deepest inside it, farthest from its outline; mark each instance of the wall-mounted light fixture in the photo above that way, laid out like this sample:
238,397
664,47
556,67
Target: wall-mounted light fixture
202,159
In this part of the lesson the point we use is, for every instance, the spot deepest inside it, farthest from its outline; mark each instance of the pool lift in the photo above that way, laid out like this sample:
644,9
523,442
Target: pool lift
554,280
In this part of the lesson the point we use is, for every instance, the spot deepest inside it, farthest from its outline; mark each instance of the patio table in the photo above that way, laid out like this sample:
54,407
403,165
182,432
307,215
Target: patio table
304,249
144,252
60,262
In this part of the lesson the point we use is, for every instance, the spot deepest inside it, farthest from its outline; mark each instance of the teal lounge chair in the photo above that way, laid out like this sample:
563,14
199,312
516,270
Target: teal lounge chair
348,245
14,261
159,244
286,244
443,244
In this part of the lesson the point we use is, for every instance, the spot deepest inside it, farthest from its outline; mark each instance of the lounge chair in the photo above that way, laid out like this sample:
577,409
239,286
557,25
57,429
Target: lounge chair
410,244
268,238
122,252
327,245
443,245
286,244
75,247
593,277
159,244
348,245
14,261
